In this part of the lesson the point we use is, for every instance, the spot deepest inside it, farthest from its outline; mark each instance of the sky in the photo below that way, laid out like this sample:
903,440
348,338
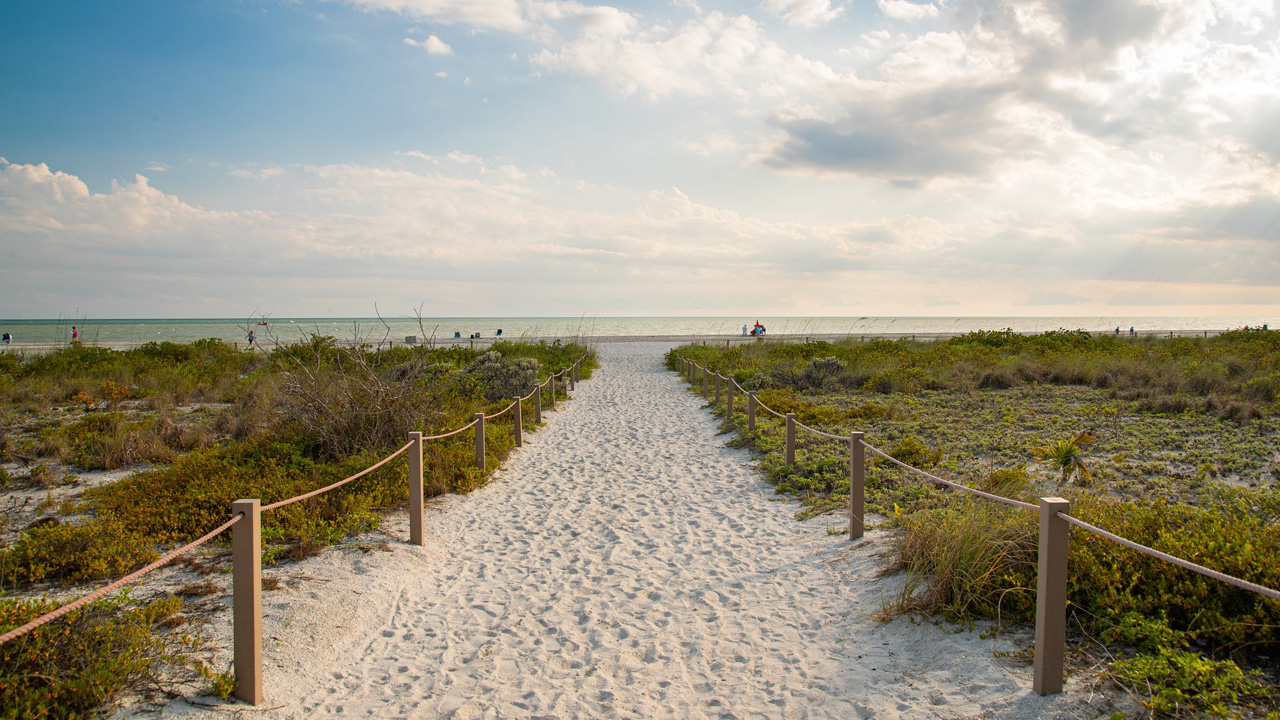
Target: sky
323,158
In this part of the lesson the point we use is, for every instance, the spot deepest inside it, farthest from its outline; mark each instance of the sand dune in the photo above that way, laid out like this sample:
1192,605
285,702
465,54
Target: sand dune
625,563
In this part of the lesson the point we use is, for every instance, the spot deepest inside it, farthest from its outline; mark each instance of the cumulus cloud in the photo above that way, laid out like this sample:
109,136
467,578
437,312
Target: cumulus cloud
804,13
259,173
433,45
359,232
489,14
1095,95
907,10
711,53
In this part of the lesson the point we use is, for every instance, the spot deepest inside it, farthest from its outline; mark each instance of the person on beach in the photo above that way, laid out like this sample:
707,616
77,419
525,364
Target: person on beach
1117,330
8,338
252,337
75,334
744,330
1131,332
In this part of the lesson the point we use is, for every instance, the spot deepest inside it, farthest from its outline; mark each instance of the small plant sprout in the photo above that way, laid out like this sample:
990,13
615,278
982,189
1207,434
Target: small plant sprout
1067,456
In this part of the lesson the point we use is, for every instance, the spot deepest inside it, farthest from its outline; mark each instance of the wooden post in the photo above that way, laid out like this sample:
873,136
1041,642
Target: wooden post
705,379
572,387
1051,597
791,438
751,412
519,428
717,388
551,383
415,490
480,440
728,386
537,407
246,603
857,485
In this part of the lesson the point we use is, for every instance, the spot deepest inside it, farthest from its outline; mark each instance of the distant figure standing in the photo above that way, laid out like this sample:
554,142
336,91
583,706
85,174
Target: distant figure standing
8,338
744,330
1131,332
1117,329
75,334
252,337
499,332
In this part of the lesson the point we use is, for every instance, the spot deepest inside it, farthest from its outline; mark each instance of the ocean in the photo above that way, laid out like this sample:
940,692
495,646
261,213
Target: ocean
120,332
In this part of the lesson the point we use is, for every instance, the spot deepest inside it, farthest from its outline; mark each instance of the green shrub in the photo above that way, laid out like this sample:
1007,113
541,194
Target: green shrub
1185,684
505,378
911,451
65,552
75,665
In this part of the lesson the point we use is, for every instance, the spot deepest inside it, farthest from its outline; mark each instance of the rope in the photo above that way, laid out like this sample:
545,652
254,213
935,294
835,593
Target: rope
340,483
167,558
948,483
819,432
1244,584
500,412
451,433
769,410
55,614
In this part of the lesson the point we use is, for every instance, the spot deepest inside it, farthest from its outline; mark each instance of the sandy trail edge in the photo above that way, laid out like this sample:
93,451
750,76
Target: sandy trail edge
625,563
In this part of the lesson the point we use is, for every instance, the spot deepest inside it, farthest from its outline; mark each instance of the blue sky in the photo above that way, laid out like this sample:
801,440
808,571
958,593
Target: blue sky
551,157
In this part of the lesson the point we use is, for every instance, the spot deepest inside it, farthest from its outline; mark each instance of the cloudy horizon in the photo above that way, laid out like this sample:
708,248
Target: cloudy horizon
315,158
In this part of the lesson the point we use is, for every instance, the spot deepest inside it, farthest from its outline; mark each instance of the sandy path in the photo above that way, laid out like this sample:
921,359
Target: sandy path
626,563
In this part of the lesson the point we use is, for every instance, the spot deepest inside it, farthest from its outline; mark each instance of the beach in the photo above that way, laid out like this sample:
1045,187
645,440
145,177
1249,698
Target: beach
624,563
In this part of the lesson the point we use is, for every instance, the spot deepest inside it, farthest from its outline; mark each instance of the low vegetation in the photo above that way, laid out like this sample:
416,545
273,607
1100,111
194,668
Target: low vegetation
205,424
1168,442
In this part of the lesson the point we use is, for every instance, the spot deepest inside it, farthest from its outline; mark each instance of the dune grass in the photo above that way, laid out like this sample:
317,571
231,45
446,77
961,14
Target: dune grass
267,425
1167,442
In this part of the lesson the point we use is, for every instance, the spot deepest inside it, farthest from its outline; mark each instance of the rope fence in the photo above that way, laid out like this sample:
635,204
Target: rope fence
246,541
1055,522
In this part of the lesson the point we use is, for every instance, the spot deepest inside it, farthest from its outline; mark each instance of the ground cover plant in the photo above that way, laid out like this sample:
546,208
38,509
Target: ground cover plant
206,424
1171,443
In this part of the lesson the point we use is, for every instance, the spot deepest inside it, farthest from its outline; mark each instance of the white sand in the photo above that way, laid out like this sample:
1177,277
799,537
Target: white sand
625,563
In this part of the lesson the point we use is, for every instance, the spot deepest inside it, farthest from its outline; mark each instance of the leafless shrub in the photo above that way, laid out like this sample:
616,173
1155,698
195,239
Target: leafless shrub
335,396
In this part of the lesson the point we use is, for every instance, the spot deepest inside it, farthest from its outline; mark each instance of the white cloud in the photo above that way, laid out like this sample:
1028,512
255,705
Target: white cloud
716,143
442,74
511,172
711,53
433,45
804,13
360,233
907,10
157,167
261,173
464,158
489,14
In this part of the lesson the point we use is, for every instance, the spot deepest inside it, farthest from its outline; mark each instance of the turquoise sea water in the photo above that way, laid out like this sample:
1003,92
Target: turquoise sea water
126,331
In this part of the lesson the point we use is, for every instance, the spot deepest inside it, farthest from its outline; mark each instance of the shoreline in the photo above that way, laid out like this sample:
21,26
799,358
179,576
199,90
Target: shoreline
1203,333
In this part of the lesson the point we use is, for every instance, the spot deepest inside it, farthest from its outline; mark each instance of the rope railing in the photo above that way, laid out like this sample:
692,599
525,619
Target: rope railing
1186,564
247,551
500,412
73,606
819,432
340,483
451,433
950,484
1051,583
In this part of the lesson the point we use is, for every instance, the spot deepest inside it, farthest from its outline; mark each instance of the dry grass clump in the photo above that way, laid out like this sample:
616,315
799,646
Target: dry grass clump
970,558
